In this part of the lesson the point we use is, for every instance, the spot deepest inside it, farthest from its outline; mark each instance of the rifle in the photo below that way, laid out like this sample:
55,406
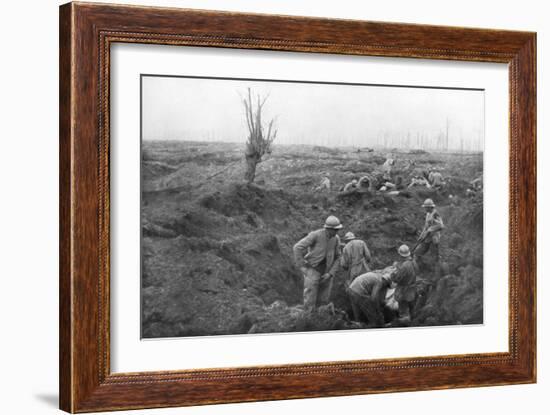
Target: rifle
419,240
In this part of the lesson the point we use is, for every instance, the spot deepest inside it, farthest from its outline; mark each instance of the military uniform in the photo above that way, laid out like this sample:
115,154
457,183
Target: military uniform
387,168
436,179
433,225
354,258
325,185
367,293
316,255
350,186
405,291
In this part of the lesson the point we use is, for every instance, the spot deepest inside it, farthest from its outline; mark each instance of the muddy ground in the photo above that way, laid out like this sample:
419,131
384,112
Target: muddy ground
217,254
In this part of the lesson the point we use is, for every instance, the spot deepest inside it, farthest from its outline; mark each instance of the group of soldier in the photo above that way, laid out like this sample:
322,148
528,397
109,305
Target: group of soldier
320,256
431,178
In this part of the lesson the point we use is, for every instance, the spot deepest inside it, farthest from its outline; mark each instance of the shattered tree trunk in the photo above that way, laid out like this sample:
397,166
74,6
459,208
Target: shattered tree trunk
251,163
258,142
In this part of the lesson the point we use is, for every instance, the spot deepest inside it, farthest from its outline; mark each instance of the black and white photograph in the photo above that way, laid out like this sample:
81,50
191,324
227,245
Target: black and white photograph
277,206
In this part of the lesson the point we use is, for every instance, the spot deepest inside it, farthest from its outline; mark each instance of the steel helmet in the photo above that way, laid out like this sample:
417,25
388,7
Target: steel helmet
428,203
404,251
349,236
333,222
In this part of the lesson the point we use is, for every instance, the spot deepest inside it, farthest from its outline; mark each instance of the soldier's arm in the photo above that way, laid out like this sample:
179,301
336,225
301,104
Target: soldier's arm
337,255
367,252
438,225
300,249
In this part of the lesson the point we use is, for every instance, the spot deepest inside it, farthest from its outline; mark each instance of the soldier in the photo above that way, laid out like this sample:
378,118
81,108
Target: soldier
387,167
350,186
476,186
436,179
364,183
355,256
367,294
419,181
325,184
431,234
317,255
405,278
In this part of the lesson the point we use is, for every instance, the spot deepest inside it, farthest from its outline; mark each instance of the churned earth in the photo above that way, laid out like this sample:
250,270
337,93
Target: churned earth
217,253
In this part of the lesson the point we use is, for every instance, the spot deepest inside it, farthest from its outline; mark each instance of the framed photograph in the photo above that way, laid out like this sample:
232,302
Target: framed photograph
258,207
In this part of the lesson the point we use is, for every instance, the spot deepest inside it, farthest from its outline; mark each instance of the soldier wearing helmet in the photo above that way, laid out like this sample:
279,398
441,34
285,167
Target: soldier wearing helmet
318,256
405,278
355,256
351,185
431,234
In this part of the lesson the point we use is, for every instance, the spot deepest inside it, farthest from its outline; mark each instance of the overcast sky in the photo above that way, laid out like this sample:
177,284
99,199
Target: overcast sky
334,115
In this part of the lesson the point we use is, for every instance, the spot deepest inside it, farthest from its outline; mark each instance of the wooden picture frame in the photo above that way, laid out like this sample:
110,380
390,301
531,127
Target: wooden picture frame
86,33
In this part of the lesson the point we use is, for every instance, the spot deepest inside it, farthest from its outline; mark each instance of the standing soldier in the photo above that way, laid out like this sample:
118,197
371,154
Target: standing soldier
431,234
317,255
405,277
355,257
387,167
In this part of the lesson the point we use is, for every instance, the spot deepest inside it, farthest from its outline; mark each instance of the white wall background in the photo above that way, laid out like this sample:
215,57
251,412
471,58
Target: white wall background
29,207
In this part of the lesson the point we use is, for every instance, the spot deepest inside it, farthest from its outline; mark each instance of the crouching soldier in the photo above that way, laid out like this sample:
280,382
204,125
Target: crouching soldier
355,257
436,179
367,294
325,184
430,235
318,255
405,278
350,186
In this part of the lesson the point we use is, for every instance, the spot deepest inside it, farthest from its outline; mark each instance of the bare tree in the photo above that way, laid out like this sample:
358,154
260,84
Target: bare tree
259,140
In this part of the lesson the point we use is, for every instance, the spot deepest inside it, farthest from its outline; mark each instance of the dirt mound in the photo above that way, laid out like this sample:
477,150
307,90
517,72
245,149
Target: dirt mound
456,186
153,169
219,281
456,299
357,166
176,220
279,318
241,199
473,215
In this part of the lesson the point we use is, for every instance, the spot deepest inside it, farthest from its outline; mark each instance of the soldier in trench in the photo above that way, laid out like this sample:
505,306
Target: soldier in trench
367,294
405,278
318,257
355,257
430,236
